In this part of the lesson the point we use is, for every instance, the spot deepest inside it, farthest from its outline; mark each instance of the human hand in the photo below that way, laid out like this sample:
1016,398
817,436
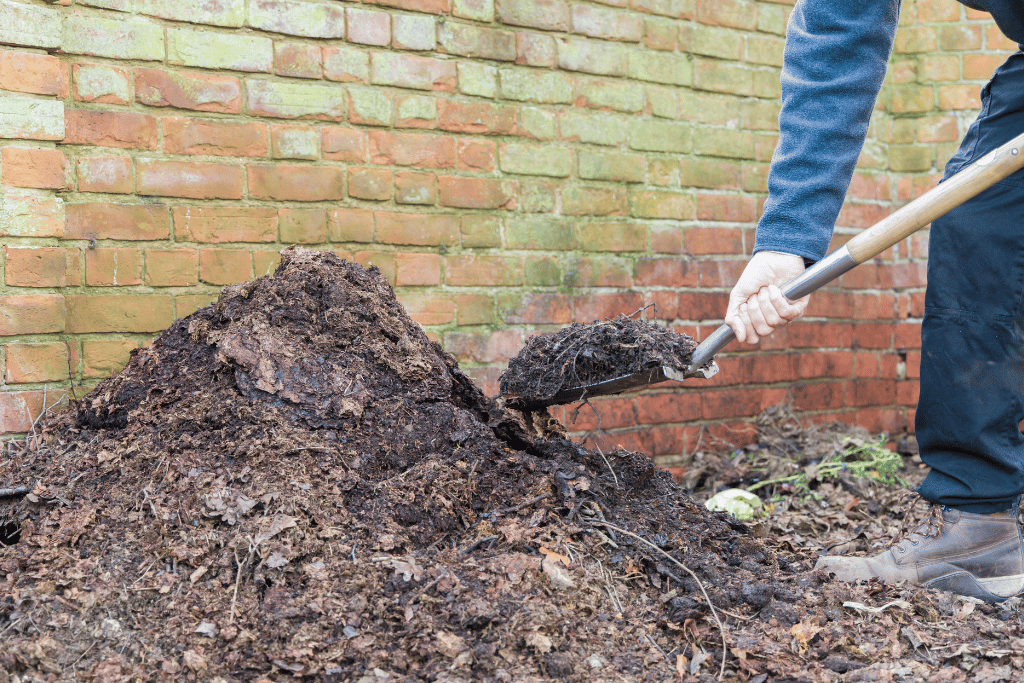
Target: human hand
757,306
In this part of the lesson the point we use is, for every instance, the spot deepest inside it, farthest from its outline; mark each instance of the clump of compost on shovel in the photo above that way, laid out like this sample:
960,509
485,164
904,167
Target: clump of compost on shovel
583,355
296,481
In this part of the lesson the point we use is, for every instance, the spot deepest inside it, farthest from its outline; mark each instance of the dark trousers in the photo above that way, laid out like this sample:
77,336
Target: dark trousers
972,340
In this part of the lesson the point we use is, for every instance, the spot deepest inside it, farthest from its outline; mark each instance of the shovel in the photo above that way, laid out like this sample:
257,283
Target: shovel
970,181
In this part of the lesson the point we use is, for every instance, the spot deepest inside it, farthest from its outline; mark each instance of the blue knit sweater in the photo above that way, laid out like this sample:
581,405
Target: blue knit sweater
833,66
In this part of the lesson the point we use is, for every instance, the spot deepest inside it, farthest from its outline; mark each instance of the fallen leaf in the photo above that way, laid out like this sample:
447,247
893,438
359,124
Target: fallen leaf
276,560
449,644
207,629
194,660
272,526
559,577
539,642
555,557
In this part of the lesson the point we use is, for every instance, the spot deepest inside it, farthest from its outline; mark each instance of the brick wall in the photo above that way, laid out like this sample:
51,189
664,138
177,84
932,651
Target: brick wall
510,165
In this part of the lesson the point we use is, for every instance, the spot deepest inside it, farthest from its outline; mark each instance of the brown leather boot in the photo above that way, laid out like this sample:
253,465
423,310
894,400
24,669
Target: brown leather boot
968,554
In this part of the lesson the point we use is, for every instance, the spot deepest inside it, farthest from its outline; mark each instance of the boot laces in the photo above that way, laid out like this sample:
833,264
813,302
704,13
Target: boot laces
934,524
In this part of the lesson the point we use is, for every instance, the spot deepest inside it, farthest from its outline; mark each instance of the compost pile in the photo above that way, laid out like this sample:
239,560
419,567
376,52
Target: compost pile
296,483
582,355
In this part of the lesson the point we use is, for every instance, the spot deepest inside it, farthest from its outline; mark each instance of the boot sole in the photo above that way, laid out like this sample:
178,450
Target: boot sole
965,583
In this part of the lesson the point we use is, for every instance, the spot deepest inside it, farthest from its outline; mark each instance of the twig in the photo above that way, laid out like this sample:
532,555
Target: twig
238,580
605,458
657,646
528,503
700,585
13,491
477,543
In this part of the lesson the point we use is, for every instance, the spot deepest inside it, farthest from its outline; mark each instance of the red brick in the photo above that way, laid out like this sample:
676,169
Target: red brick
412,71
871,392
476,41
819,396
201,92
299,60
702,305
656,204
344,144
476,193
102,358
19,409
475,309
604,413
550,15
477,118
713,241
118,313
28,363
350,225
302,226
488,347
719,273
110,129
224,224
224,266
29,72
802,334
598,272
416,229
193,180
101,220
667,408
113,267
730,208
100,83
187,304
739,14
372,184
537,309
593,201
172,268
415,269
415,188
411,149
295,183
739,402
41,267
215,138
105,174
471,270
665,272
428,309
40,168
31,314
613,236
534,49
818,365
477,155
767,368
385,262
592,307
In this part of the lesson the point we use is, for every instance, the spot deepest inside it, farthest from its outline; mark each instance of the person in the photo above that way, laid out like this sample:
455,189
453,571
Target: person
972,338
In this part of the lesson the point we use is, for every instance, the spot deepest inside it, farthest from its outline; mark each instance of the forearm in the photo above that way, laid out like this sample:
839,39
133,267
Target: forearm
835,59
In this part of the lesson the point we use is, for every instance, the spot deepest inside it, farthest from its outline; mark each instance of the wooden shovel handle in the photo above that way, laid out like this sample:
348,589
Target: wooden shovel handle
972,180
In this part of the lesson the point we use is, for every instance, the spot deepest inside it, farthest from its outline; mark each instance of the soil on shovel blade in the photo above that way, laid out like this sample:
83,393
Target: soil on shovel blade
296,483
581,355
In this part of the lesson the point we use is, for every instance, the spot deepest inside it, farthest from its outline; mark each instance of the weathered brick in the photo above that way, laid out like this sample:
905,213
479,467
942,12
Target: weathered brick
530,308
619,96
369,107
105,174
415,188
534,49
110,129
202,92
765,50
194,180
550,15
103,220
224,266
537,197
121,38
528,85
302,226
627,168
29,25
480,231
28,72
384,261
725,77
476,41
477,10
959,97
740,14
295,100
661,67
548,234
417,269
416,229
592,56
615,237
595,129
529,159
475,309
660,34
910,158
102,358
113,267
295,183
411,149
213,12
31,119
412,32
593,201
428,309
479,80
471,270
41,267
660,136
31,213
172,268
231,51
299,60
659,204
368,27
224,224
477,118
713,42
101,83
31,314
307,19
29,363
412,71
343,144
372,184
476,193
723,207
118,313
608,24
38,168
214,137
295,142
415,111
346,64
350,225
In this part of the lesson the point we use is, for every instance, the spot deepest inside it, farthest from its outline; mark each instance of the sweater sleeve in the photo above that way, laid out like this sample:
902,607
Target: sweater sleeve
833,65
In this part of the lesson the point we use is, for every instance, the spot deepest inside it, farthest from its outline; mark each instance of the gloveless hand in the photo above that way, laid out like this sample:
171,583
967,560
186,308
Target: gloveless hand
757,306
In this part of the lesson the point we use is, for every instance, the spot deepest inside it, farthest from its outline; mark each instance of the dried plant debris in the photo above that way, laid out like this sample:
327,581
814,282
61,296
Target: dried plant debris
581,355
296,483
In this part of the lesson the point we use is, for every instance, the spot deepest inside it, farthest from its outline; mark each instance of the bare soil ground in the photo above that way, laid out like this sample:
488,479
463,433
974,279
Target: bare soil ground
296,483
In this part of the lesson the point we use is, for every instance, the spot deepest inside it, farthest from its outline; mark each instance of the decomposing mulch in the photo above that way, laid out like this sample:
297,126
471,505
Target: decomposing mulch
582,355
296,483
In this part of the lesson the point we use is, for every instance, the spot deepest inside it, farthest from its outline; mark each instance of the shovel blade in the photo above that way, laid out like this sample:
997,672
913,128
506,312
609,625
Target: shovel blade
637,380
